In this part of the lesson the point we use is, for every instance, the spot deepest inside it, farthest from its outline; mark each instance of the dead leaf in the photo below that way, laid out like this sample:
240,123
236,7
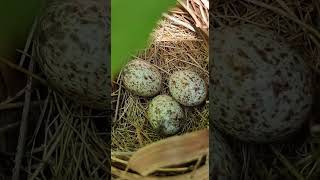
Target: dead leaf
170,151
199,174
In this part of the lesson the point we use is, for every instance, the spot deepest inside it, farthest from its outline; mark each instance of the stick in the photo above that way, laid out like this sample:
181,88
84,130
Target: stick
18,68
23,128
17,105
294,19
28,43
9,126
179,22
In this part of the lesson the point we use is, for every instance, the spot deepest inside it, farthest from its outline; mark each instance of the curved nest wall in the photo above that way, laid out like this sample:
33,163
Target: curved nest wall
178,43
297,22
68,141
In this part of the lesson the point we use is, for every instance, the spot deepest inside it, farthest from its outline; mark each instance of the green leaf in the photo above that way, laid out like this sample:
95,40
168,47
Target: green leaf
131,24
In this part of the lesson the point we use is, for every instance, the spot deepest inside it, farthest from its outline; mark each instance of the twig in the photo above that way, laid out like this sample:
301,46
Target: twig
192,14
28,43
286,163
16,96
286,7
17,105
118,101
206,3
55,140
18,68
23,128
9,126
40,121
294,19
179,22
203,15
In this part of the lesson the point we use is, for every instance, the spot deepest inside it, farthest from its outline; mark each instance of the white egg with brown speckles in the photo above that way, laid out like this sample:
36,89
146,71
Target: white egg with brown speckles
165,115
187,87
260,88
71,47
142,78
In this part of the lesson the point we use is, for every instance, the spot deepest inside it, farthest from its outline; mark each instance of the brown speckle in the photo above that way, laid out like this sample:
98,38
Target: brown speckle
243,54
283,55
269,49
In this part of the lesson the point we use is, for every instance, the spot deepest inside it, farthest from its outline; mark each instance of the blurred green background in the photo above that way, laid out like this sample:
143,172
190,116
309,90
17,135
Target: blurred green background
16,18
131,24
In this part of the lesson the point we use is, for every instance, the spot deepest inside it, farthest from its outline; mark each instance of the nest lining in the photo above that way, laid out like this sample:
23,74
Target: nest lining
173,48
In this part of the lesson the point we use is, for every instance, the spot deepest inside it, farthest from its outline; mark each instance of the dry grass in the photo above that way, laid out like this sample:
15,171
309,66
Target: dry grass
175,45
66,141
58,139
72,147
173,48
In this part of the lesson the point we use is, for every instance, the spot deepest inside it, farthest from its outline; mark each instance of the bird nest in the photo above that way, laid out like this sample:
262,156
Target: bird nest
177,43
298,22
62,140
174,48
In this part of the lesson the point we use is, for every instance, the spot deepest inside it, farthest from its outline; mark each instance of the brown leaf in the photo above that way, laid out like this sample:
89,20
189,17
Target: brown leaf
199,174
170,151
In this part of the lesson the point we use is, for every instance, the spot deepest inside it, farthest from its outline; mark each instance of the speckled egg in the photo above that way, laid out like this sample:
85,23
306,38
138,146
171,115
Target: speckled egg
165,115
260,88
142,78
71,47
223,163
187,87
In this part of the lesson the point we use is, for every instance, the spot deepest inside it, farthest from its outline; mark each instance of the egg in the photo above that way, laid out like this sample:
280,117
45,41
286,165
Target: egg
71,47
142,78
187,87
165,115
260,88
222,162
